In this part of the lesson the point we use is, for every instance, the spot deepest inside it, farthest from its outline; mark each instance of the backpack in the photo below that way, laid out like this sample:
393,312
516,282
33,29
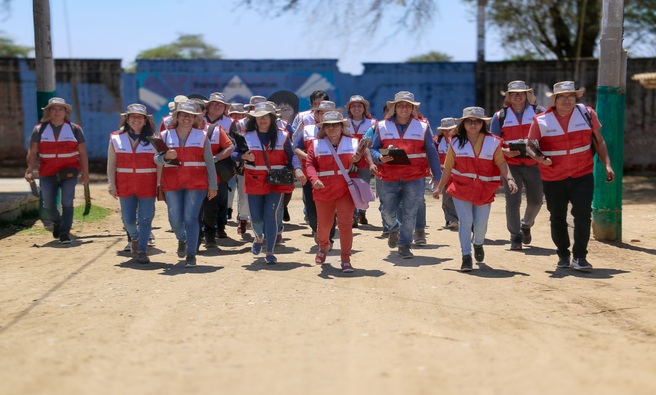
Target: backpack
501,114
588,119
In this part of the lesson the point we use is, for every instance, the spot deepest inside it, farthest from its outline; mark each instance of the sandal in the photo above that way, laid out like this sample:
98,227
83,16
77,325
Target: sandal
320,258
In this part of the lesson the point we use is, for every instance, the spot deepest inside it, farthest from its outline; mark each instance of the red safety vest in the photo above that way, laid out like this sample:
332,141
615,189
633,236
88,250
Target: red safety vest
413,144
475,178
328,170
514,131
359,134
442,147
60,153
255,173
569,149
136,172
192,173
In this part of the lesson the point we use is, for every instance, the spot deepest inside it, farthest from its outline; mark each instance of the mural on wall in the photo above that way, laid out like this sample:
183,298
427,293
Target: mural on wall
156,90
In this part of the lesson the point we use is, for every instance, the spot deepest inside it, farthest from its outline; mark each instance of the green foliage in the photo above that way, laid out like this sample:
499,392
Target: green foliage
9,49
96,214
433,56
187,46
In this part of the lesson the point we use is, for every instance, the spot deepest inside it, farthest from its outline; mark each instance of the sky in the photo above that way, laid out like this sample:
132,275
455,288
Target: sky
120,29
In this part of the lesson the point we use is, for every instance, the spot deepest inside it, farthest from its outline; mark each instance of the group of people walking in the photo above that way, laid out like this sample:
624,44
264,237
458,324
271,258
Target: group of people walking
208,150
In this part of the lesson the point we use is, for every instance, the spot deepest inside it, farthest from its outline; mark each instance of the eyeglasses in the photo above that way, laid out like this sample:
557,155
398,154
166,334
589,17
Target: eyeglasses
331,125
566,97
473,121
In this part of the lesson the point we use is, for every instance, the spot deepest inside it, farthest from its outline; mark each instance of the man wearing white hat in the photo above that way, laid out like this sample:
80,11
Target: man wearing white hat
567,133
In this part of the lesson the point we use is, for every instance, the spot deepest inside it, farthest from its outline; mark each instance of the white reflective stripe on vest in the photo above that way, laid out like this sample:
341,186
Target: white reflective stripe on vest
564,152
493,178
125,170
468,175
474,176
193,164
326,173
411,156
69,155
251,167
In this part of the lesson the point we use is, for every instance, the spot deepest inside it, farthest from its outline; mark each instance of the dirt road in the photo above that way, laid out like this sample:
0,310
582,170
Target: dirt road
86,319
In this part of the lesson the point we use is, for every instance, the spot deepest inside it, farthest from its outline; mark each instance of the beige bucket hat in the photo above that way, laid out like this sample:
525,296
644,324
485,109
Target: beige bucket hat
58,101
135,108
402,96
262,109
474,112
448,123
564,87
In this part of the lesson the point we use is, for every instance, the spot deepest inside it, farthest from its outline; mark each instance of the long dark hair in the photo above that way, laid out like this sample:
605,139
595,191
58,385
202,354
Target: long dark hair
272,132
146,131
461,136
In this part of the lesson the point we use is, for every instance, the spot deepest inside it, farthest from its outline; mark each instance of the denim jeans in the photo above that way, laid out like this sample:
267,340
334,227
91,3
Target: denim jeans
471,216
184,209
528,178
138,210
50,187
264,216
578,192
450,214
407,194
243,213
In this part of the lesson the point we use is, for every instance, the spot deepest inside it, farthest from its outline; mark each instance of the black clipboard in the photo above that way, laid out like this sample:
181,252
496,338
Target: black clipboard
161,146
521,147
399,156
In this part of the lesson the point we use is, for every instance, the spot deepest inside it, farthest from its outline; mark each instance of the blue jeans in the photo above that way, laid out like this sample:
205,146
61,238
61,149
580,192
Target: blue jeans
184,209
264,216
471,217
137,213
50,187
408,194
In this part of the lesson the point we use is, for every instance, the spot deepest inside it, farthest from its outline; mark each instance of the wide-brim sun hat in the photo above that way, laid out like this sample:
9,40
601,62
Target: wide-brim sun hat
357,99
262,109
58,101
217,97
474,112
135,108
448,123
519,86
325,105
236,108
254,100
333,117
177,99
188,107
402,96
561,88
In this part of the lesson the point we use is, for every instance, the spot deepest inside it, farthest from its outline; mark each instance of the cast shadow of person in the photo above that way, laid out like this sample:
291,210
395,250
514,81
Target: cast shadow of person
596,273
329,272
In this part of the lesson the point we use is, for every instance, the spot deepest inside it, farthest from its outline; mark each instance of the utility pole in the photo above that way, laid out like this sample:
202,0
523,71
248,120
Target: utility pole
480,54
45,64
611,104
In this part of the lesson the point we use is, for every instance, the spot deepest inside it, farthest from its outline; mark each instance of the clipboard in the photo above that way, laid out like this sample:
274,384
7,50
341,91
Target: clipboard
161,146
521,147
399,156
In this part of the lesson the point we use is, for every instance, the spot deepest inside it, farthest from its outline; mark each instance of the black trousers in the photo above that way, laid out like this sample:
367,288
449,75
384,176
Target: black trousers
215,212
559,194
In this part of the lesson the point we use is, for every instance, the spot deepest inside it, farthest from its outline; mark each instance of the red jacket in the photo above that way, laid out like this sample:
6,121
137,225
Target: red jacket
475,178
321,165
136,172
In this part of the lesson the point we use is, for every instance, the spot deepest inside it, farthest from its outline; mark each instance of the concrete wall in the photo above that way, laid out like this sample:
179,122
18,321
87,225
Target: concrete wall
100,91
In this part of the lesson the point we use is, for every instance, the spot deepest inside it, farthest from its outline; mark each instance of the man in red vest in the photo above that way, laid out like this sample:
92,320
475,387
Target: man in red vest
561,140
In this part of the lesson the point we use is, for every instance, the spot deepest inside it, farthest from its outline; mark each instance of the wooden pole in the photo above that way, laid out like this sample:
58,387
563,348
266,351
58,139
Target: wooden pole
611,103
480,54
45,64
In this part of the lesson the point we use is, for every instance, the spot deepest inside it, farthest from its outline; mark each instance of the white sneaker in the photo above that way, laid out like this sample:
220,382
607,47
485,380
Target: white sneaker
128,247
151,239
581,264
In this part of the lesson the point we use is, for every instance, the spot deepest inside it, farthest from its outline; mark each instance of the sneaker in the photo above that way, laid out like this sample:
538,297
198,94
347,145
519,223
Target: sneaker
182,249
210,240
128,247
420,237
142,258
190,261
451,225
362,217
516,243
65,238
279,239
563,262
55,230
229,214
346,267
256,248
320,258
285,215
271,259
151,239
466,263
405,252
355,222
221,234
134,245
393,239
581,264
479,253
526,235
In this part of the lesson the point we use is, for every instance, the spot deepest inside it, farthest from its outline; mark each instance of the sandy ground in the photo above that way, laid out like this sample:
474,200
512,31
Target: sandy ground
86,319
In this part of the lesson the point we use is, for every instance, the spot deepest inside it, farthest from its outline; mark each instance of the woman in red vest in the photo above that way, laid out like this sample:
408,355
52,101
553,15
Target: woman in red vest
61,149
132,175
473,165
267,147
188,176
331,193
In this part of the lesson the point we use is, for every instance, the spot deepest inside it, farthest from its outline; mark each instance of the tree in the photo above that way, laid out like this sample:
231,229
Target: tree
433,56
187,46
9,49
